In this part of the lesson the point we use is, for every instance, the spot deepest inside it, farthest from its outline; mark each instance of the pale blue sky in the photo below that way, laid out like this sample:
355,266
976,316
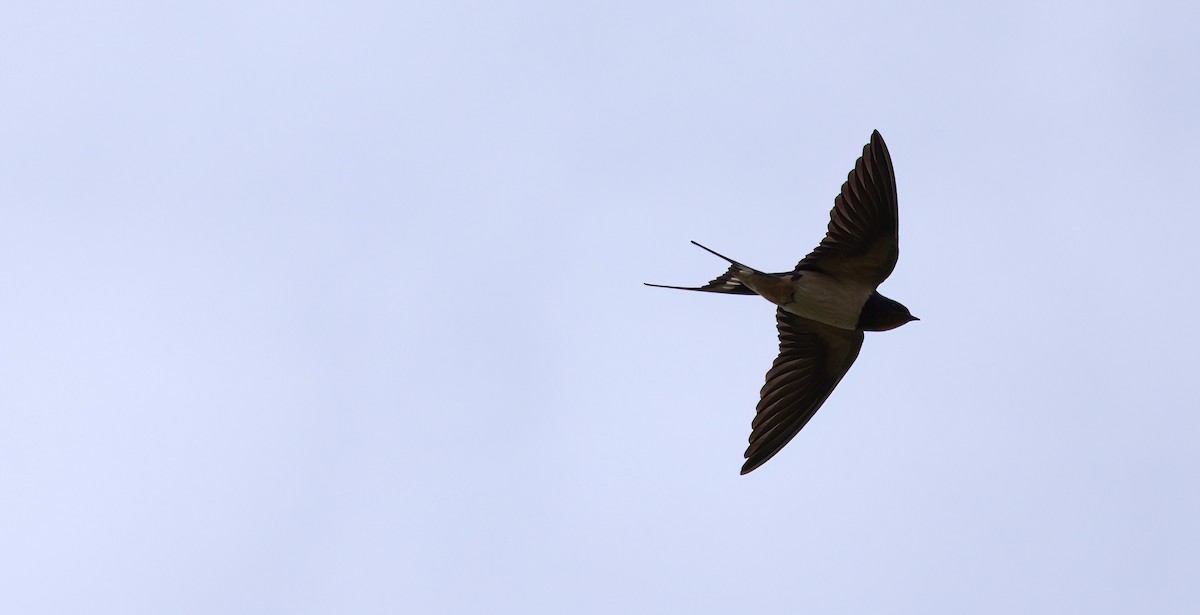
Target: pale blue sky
337,308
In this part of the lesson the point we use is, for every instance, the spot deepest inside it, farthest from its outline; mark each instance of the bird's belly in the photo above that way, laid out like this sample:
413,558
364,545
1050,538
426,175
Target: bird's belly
828,300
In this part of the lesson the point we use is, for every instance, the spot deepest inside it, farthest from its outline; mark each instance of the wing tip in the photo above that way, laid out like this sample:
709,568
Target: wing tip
877,142
752,465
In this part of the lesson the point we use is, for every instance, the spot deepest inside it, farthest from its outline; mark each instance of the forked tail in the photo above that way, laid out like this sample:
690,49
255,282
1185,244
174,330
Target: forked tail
727,282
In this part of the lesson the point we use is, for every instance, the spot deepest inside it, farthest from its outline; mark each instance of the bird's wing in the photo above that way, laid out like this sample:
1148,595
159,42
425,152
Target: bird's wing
862,243
812,359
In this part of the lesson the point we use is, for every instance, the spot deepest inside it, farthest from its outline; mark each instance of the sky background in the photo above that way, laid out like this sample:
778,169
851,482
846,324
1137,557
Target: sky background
338,307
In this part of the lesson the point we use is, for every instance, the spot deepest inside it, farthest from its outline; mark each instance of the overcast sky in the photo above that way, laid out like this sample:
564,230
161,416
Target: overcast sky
338,308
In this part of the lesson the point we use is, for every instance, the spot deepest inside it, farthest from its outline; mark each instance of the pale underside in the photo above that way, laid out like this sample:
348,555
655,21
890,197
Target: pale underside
815,296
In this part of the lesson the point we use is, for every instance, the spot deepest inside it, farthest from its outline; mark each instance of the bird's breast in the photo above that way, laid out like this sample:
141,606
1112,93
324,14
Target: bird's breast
828,300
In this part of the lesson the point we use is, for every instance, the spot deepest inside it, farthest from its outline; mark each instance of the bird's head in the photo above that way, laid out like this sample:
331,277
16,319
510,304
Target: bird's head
883,314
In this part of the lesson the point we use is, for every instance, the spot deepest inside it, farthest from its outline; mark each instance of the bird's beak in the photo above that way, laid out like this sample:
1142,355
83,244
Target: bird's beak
913,317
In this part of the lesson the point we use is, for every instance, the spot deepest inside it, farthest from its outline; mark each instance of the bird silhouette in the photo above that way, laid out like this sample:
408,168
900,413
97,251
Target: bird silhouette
825,303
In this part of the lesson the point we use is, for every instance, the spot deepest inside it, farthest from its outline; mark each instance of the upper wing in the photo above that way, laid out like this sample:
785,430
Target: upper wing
863,241
812,359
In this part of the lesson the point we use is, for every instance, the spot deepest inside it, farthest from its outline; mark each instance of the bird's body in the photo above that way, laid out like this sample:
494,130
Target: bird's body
812,295
825,303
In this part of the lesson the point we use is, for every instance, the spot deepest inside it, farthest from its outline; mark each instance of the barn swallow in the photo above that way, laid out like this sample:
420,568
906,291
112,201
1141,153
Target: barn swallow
825,303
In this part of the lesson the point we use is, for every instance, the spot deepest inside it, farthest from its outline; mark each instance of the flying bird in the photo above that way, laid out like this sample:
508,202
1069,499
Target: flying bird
825,303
